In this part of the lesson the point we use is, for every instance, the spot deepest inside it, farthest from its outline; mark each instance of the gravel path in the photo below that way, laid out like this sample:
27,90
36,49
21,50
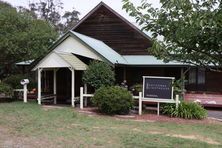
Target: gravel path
215,114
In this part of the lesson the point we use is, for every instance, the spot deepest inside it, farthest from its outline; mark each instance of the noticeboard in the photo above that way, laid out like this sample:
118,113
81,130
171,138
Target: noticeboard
160,88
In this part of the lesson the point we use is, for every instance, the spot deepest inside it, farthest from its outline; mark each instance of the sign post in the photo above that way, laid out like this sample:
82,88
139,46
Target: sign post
157,89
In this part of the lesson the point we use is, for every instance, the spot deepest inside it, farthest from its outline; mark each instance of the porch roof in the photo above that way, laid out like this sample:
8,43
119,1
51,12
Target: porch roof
61,60
76,63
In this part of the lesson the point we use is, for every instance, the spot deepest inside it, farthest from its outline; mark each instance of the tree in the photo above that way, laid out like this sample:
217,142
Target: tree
50,10
22,36
71,19
99,74
191,30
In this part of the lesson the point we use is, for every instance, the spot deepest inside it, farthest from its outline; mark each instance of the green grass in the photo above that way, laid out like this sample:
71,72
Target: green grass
67,128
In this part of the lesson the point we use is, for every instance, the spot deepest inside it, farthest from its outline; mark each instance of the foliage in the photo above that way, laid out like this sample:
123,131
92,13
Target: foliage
14,81
99,74
113,100
187,110
71,19
136,88
191,30
22,37
178,86
5,89
50,10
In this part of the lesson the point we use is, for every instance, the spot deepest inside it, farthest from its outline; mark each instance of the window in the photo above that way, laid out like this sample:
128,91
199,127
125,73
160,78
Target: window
201,76
192,76
197,76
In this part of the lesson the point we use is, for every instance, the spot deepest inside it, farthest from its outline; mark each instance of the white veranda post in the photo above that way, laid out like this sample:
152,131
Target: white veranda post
54,87
85,91
39,85
73,87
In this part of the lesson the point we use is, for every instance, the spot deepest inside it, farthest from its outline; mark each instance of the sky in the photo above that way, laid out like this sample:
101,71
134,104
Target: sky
84,6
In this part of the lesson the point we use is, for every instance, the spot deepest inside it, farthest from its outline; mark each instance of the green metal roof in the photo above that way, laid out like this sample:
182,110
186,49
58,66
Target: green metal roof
101,48
25,63
149,60
109,54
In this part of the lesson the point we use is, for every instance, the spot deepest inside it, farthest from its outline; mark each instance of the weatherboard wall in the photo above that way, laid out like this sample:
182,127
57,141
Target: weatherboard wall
105,25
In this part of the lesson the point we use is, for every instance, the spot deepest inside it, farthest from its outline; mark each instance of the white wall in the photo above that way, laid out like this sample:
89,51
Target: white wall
74,46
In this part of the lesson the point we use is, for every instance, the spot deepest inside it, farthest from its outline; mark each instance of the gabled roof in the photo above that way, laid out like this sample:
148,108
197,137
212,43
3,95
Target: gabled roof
114,12
97,46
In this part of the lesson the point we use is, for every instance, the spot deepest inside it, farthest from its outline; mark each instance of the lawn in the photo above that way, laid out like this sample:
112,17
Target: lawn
31,125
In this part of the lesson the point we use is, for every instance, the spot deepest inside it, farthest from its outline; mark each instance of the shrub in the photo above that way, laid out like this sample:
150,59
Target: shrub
113,100
99,74
14,81
5,89
187,110
136,89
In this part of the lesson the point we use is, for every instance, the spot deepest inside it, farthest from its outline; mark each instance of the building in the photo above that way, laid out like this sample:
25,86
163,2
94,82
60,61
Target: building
104,35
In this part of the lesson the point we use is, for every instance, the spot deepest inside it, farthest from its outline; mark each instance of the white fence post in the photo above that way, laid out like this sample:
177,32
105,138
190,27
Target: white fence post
140,103
81,97
25,93
158,108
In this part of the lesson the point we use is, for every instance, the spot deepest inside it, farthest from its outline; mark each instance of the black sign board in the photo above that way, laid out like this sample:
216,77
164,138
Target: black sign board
157,87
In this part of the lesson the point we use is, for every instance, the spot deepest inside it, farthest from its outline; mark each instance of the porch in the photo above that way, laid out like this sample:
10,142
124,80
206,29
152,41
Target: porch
59,77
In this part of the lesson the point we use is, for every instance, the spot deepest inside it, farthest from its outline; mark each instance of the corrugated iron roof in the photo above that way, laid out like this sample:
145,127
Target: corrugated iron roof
25,63
101,48
71,59
149,60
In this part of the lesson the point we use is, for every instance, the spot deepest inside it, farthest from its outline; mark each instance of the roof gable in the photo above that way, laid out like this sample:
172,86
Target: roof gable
61,60
52,60
102,4
72,45
105,24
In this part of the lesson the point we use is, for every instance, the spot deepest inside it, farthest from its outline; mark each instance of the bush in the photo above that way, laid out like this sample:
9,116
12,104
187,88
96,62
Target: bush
136,89
5,89
99,74
14,81
113,100
187,110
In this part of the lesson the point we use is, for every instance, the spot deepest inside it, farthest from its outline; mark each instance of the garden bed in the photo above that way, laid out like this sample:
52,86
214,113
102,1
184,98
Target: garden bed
146,117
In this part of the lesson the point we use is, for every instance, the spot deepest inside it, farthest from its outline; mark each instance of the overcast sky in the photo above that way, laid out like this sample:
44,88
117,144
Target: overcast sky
84,6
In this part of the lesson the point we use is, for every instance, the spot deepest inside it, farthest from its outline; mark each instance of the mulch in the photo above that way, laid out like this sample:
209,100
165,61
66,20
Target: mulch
146,117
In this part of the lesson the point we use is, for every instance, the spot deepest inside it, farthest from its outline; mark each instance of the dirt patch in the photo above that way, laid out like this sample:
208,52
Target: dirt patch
190,137
195,137
9,139
48,107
